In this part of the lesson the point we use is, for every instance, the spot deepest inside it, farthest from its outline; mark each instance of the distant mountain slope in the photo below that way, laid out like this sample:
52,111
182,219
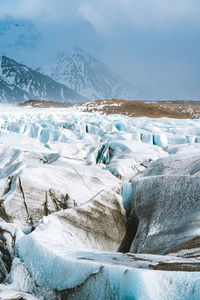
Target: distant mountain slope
19,83
86,75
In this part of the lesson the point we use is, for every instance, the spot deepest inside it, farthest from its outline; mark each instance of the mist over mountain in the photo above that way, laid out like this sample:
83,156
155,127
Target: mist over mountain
158,52
19,83
87,75
77,69
19,39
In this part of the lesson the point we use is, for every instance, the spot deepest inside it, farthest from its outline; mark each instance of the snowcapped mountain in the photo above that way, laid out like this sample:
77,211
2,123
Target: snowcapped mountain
86,75
19,83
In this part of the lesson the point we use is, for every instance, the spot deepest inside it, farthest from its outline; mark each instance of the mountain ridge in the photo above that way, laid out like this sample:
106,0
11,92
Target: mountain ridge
19,82
87,75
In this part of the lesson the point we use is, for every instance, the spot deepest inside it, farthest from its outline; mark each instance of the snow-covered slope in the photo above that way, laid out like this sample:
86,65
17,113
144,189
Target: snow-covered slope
86,75
71,185
19,83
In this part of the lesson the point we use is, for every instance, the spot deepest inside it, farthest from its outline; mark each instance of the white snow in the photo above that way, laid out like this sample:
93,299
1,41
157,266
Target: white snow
88,157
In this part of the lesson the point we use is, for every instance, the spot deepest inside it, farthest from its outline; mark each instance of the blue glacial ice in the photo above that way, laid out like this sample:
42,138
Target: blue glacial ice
71,184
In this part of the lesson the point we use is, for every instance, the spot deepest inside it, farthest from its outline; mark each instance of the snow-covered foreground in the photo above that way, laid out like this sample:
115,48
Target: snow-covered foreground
77,187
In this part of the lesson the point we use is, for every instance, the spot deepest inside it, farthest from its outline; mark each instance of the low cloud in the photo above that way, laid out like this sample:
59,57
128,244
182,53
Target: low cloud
41,10
105,15
150,42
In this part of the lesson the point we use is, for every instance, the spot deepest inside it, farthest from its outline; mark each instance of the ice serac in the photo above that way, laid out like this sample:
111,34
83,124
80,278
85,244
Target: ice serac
87,75
187,163
85,274
165,203
33,190
98,224
19,83
61,172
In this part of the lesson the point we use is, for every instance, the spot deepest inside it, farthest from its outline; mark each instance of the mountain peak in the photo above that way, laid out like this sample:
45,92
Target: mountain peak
87,75
7,62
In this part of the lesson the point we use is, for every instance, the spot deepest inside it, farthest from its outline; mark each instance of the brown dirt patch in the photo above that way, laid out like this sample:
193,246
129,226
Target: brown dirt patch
189,267
189,245
177,109
43,104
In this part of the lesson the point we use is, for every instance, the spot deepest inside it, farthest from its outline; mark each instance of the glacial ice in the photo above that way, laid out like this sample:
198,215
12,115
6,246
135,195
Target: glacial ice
76,274
70,182
166,206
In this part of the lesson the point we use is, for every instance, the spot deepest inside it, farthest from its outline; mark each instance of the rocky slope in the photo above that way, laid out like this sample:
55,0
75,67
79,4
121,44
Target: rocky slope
18,82
87,76
174,109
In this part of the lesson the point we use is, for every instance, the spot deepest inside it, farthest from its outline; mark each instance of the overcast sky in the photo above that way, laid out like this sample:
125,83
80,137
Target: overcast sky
155,44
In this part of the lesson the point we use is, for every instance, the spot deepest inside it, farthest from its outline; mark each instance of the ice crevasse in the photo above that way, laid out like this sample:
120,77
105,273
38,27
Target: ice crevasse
76,188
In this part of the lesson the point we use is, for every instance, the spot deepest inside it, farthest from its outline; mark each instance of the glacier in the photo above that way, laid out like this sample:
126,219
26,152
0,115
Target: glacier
98,207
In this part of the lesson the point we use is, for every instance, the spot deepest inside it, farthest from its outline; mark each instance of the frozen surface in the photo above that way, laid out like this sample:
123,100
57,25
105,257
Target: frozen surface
166,206
40,149
102,275
8,294
70,185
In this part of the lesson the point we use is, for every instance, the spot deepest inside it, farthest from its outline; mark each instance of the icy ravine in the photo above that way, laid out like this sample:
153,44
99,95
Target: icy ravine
71,165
